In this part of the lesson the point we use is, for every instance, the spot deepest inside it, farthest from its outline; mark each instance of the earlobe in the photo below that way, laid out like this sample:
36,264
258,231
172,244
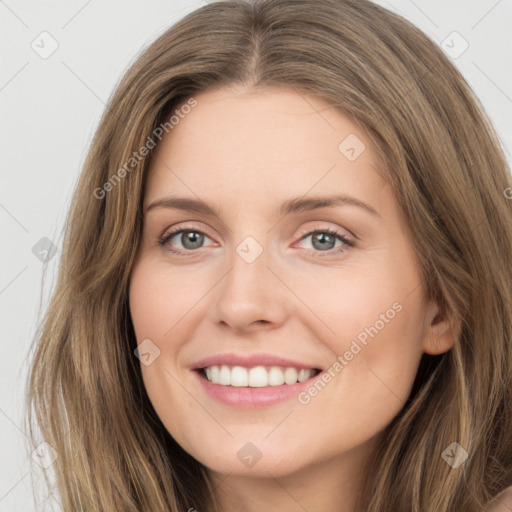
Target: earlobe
441,334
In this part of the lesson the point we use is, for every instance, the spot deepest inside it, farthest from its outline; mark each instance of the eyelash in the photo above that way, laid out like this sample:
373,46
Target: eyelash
346,241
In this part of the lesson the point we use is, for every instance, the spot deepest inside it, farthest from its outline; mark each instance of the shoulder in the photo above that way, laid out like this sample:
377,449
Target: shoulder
502,502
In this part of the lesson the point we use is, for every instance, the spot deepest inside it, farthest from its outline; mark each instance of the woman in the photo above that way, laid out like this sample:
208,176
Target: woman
203,351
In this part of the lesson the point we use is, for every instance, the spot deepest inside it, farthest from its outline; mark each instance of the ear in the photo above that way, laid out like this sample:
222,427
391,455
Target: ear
442,331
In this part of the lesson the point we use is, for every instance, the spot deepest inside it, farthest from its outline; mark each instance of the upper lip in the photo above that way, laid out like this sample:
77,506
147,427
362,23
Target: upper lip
249,361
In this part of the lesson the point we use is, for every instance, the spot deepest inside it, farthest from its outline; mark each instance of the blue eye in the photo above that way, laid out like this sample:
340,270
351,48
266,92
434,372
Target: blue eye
327,243
192,239
188,242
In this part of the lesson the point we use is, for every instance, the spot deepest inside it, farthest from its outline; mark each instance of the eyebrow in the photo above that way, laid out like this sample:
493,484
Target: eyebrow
296,205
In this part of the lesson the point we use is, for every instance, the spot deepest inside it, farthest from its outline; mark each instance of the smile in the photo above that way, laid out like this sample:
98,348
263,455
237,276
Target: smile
257,376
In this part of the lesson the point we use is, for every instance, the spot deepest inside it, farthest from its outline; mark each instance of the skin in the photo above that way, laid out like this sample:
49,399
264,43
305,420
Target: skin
245,151
502,502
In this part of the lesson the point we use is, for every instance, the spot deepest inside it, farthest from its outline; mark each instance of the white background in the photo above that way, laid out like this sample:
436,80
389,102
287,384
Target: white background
49,109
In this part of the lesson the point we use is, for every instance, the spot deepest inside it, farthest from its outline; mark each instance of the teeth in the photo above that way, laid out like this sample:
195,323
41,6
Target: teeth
290,376
239,376
257,377
225,376
275,376
303,375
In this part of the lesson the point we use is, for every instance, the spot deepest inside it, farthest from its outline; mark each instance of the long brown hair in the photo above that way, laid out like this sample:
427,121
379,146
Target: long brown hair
451,180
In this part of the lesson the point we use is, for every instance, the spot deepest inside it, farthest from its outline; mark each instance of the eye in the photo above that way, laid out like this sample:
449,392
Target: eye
190,239
322,241
325,241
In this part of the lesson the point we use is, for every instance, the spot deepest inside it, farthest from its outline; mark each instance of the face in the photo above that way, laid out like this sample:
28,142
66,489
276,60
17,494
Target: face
266,282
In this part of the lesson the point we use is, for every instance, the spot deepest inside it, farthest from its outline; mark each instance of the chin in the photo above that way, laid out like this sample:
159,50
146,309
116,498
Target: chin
246,461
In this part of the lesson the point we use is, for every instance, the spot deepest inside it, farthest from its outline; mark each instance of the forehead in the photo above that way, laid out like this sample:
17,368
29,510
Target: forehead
239,142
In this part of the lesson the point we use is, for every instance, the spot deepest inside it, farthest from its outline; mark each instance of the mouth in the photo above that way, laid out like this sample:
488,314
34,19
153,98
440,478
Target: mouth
256,376
249,381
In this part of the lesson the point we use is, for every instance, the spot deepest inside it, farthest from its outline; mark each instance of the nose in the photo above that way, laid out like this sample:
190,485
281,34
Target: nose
251,296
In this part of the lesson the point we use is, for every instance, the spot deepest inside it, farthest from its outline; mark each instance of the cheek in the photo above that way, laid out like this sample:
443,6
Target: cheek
158,307
159,299
375,321
374,372
366,305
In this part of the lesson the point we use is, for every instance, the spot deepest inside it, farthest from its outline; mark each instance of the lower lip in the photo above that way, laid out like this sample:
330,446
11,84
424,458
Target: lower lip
252,398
